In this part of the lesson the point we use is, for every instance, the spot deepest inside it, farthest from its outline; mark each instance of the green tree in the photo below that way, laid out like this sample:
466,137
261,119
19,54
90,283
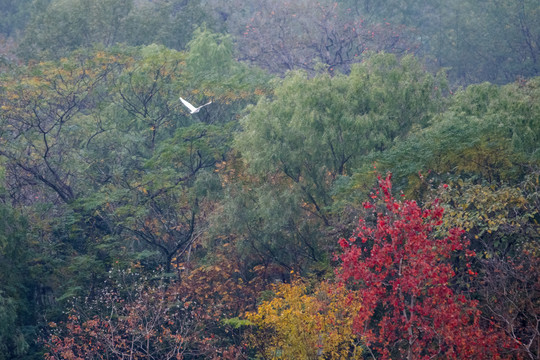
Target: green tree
488,133
107,165
18,310
161,179
494,41
64,26
14,16
313,132
505,38
67,25
169,23
41,109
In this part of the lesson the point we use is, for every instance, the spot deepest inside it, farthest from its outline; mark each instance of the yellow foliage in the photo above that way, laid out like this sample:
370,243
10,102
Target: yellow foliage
299,325
485,208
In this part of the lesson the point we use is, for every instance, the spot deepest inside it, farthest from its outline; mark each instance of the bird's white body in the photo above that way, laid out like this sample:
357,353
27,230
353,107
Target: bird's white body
193,109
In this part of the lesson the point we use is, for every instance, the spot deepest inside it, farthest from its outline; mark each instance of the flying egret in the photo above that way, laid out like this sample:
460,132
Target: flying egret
192,108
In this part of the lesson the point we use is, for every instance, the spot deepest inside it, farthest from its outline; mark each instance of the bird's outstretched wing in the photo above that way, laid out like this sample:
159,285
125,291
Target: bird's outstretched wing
208,103
191,108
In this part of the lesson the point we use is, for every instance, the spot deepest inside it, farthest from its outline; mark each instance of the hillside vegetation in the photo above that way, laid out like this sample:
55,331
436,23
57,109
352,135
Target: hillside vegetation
365,183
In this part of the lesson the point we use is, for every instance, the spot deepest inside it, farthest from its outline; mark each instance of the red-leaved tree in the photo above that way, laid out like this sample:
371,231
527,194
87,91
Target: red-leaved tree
400,264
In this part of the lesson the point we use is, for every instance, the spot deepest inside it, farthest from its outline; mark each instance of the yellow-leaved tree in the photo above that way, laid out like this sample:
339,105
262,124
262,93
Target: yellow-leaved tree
299,323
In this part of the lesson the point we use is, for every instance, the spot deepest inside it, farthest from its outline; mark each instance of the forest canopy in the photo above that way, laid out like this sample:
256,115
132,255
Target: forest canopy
362,182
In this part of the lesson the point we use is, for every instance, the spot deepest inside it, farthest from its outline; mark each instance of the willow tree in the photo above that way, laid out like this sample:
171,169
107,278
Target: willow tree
313,132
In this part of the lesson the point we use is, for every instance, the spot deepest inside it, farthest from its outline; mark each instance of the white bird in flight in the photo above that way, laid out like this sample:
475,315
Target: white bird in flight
192,108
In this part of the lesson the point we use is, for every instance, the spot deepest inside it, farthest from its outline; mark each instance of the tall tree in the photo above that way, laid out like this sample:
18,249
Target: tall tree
60,27
312,133
280,36
14,16
401,268
487,133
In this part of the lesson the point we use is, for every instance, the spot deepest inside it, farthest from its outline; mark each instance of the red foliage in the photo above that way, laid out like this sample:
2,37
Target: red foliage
136,318
401,270
154,324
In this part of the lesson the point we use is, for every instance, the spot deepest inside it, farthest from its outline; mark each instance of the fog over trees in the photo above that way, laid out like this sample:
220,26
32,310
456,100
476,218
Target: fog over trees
362,182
